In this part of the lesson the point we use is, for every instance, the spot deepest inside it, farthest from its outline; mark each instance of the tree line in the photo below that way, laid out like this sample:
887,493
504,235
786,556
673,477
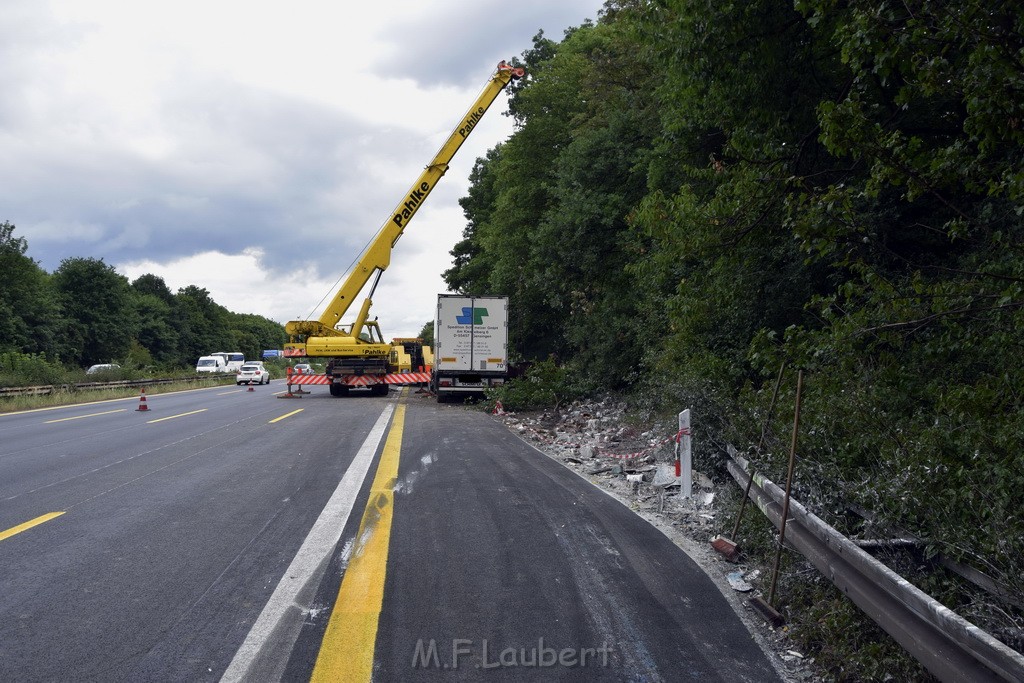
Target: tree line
85,312
698,193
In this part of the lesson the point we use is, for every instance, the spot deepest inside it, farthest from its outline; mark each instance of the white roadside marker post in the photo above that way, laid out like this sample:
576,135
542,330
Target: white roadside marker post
684,455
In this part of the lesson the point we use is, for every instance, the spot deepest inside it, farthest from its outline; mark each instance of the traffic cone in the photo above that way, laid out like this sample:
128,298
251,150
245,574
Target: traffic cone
250,387
498,408
142,401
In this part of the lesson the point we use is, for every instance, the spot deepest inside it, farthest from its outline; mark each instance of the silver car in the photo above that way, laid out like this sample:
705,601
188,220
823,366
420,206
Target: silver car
102,367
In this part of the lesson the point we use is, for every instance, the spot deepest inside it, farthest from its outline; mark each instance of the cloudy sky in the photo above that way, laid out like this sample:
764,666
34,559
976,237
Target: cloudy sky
251,148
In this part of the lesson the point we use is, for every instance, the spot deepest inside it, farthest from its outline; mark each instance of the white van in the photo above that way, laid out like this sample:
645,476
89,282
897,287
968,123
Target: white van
211,364
233,361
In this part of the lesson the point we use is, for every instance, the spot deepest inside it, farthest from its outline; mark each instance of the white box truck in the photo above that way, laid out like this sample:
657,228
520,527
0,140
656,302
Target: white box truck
470,345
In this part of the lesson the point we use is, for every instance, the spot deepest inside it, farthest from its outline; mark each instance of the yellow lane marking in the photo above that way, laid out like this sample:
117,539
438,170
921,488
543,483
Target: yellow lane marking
29,524
278,419
82,417
346,653
171,417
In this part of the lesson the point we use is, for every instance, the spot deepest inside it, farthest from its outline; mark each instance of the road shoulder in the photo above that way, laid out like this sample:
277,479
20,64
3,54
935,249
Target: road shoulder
673,520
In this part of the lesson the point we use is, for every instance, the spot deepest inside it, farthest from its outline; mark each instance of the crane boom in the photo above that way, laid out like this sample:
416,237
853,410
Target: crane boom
325,336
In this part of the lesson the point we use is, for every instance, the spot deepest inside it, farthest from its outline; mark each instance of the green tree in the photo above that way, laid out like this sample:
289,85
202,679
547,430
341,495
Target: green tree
30,319
470,271
253,333
523,171
153,285
203,325
427,334
96,300
738,144
155,310
547,210
920,341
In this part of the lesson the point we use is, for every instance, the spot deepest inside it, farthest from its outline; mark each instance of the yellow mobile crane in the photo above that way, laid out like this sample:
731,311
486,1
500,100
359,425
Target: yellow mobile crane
356,353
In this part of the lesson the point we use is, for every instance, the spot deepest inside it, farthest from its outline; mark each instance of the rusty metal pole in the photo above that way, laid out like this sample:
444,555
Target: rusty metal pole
789,486
760,444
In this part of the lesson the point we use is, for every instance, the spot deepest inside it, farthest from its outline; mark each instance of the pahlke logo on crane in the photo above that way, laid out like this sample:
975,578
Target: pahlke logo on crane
471,121
406,211
471,316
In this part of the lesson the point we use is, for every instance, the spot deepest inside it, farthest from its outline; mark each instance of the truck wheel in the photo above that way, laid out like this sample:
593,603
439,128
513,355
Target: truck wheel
380,389
339,390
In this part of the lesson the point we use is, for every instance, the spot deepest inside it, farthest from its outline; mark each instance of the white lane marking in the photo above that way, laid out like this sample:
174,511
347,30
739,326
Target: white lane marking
310,558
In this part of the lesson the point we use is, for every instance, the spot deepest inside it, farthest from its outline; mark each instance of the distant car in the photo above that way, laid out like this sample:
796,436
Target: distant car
303,369
102,367
251,373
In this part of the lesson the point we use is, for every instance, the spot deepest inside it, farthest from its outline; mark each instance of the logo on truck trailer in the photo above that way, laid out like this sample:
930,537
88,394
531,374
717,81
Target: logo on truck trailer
471,316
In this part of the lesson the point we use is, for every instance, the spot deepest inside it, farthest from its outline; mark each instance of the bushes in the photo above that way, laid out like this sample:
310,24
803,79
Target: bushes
29,369
545,385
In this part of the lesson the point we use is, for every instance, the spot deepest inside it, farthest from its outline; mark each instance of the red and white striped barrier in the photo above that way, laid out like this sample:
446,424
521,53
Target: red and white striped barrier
393,378
630,456
363,380
308,379
407,378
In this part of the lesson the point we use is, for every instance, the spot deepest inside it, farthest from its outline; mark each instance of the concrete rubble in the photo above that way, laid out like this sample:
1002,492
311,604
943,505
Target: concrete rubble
594,439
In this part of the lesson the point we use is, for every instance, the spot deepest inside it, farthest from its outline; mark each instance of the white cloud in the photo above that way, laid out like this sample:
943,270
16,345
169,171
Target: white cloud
238,281
251,148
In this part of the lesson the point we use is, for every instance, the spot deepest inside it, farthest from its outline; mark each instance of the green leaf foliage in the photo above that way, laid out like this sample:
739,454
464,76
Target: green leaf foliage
95,298
697,193
30,319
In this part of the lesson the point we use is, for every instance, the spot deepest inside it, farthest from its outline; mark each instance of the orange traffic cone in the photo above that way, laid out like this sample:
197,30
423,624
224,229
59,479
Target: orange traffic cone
142,401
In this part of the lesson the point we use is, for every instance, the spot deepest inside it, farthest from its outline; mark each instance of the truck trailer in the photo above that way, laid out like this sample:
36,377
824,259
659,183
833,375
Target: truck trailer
470,345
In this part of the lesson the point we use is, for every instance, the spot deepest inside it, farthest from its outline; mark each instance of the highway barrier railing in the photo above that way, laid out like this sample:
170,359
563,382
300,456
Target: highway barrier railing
99,386
949,646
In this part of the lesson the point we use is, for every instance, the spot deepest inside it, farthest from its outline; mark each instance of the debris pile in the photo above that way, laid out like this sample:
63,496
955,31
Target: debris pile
595,439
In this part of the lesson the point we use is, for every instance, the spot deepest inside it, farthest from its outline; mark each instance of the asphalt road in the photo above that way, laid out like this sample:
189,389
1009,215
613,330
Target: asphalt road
225,534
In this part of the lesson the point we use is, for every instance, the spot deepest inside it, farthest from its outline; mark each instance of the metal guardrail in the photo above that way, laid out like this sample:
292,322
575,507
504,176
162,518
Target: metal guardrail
949,646
84,386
